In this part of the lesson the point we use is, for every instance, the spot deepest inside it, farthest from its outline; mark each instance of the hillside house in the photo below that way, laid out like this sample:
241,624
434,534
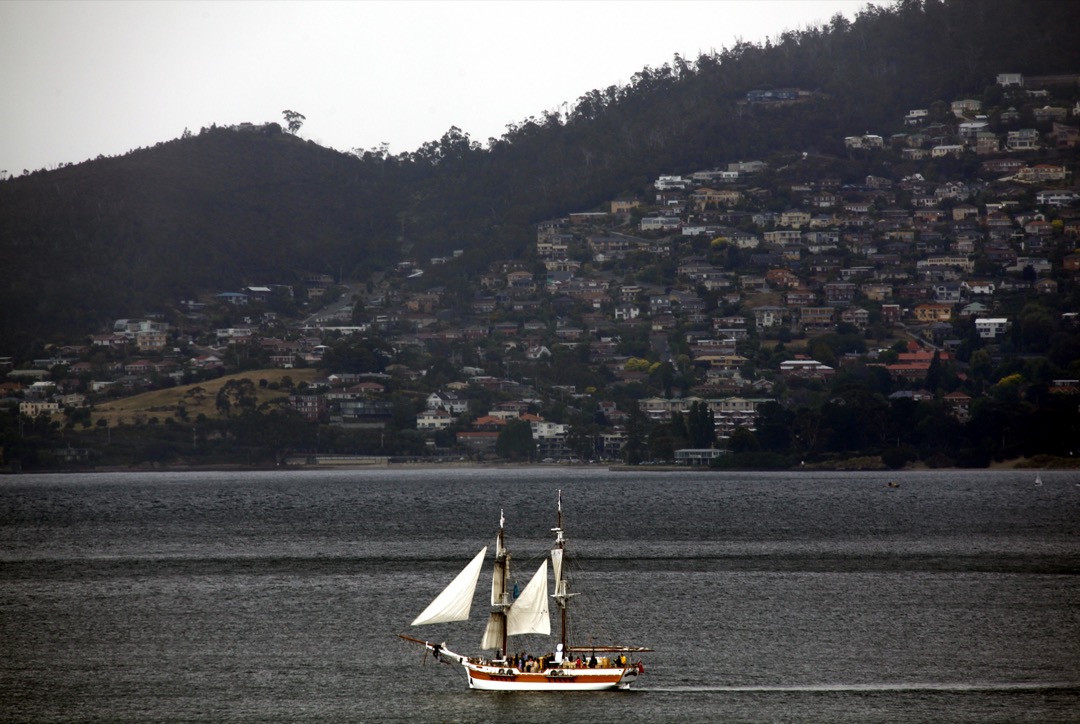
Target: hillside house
839,293
856,316
769,317
38,408
947,292
480,442
992,327
864,142
434,420
805,369
660,223
1026,139
705,198
916,117
782,279
817,319
947,149
959,405
667,183
800,298
965,107
620,207
794,218
933,312
451,402
1041,173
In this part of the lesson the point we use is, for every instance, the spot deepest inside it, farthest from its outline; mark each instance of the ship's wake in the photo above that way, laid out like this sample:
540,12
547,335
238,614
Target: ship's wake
878,687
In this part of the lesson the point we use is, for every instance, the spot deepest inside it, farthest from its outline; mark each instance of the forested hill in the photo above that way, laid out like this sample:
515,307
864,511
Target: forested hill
117,236
121,236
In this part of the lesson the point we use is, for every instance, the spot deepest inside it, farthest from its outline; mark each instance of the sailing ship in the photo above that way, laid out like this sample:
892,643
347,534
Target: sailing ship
568,667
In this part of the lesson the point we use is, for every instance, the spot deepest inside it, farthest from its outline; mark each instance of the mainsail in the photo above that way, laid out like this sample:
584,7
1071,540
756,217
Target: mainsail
454,603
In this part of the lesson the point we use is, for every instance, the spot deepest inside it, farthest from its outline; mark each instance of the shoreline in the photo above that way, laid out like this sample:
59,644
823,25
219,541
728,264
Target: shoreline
1059,464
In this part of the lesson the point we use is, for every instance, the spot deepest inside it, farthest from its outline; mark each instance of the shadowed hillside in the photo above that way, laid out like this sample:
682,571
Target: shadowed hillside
117,236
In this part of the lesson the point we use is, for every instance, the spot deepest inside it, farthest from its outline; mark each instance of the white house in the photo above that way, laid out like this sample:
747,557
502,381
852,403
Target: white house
666,183
33,408
991,328
660,223
1054,197
452,402
434,420
916,116
946,150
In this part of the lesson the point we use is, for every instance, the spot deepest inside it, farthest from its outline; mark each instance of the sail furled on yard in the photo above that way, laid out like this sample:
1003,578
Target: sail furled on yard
529,614
455,602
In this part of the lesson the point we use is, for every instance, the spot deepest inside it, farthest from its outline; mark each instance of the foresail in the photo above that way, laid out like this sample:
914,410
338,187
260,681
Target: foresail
494,634
454,603
529,614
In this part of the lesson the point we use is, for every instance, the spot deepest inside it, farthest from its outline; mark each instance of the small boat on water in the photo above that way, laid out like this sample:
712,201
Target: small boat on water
567,667
1038,479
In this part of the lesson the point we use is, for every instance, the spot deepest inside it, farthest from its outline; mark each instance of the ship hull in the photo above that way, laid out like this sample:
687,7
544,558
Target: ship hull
490,678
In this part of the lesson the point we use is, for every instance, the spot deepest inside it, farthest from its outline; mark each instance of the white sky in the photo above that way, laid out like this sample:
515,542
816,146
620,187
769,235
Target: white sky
84,78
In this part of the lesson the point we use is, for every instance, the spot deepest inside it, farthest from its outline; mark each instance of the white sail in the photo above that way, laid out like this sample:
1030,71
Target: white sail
493,634
454,603
556,565
529,614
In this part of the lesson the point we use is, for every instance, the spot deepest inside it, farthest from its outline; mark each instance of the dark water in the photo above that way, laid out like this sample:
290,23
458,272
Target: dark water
278,597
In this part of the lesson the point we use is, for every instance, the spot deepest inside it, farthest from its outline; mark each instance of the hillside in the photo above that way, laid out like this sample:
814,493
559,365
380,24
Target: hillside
94,241
199,398
135,234
857,246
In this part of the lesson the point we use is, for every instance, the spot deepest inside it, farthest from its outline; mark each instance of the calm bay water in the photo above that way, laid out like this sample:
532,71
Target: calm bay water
768,597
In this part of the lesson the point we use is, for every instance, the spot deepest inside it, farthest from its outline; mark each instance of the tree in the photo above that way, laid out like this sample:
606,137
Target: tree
701,426
636,430
743,440
294,121
664,440
239,394
581,438
774,425
934,373
515,441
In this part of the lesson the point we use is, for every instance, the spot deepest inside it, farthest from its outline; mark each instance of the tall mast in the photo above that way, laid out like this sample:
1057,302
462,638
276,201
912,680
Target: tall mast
500,594
562,590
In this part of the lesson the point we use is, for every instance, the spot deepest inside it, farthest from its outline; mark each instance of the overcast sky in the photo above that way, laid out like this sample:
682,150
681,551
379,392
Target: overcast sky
85,78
